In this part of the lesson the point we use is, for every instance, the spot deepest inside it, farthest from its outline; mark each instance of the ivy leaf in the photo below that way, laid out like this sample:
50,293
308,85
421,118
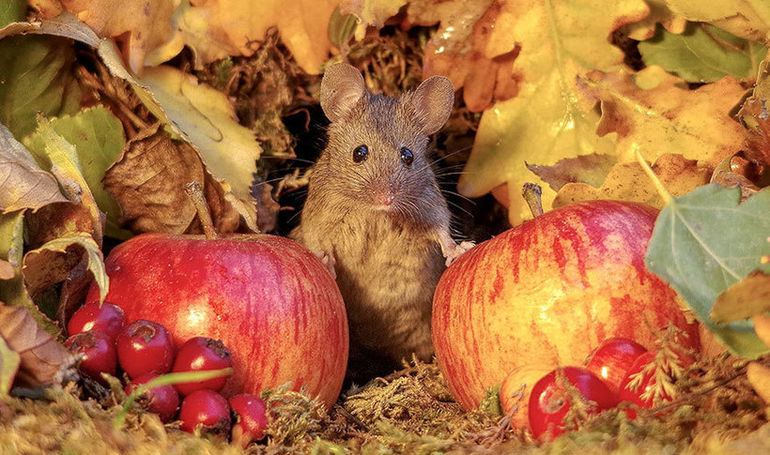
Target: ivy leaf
703,53
703,243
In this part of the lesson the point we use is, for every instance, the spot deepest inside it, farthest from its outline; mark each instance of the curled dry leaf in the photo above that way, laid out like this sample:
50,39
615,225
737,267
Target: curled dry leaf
53,262
370,12
267,207
148,181
756,119
629,182
22,183
43,359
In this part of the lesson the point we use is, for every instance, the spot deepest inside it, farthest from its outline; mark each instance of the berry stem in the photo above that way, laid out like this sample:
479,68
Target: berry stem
195,193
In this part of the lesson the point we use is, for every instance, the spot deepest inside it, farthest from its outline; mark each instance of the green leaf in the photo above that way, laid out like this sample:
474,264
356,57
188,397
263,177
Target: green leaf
703,53
704,242
13,292
97,136
37,78
12,11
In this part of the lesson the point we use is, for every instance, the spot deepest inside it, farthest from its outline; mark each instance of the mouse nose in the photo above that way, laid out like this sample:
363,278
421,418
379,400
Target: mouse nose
382,196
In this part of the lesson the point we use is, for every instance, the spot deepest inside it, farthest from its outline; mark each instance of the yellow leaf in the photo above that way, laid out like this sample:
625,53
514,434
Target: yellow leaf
217,27
141,24
668,118
547,120
746,298
762,327
759,378
204,117
749,19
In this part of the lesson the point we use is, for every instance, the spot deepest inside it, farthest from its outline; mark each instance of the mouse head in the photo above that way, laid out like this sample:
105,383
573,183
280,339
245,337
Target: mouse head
377,151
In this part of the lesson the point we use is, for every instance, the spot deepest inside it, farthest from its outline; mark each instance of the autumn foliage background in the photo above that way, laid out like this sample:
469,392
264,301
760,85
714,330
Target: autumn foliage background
109,107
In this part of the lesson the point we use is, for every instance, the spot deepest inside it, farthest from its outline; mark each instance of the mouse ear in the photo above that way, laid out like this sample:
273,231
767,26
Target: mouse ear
433,102
342,87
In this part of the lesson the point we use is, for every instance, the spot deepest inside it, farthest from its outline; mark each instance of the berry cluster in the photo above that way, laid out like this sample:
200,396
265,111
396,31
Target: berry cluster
144,350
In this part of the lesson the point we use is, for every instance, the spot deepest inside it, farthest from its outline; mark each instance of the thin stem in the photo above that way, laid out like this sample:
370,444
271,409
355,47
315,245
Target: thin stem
195,193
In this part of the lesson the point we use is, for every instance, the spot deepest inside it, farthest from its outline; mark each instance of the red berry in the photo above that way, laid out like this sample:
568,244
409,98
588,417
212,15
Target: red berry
550,401
98,353
162,399
250,418
201,353
108,318
643,363
207,409
145,347
612,359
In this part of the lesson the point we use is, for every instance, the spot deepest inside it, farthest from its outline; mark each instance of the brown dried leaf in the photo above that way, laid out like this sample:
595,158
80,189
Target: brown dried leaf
744,299
22,183
148,182
588,169
759,378
628,182
42,357
756,119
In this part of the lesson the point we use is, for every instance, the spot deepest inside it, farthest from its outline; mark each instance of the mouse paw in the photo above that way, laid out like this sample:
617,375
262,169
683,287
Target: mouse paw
457,250
328,261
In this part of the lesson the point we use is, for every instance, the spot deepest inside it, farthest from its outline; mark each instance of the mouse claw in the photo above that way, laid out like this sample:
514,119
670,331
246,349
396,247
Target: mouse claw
328,261
457,250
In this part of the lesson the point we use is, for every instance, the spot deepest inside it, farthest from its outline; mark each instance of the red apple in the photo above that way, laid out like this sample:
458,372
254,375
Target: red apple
550,402
269,300
548,292
612,359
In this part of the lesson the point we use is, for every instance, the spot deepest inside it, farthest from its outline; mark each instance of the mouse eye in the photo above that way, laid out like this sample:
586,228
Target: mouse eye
360,153
407,156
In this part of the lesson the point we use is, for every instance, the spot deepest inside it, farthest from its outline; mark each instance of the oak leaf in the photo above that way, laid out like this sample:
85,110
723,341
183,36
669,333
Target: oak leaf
665,117
659,13
371,12
549,119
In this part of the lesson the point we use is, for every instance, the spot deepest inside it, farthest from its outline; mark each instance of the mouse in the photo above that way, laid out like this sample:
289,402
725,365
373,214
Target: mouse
376,216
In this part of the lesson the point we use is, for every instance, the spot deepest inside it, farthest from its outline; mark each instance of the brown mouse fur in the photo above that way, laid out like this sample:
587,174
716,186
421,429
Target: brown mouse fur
382,222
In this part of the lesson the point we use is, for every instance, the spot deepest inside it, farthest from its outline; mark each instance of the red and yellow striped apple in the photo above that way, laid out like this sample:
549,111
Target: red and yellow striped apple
270,300
548,292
